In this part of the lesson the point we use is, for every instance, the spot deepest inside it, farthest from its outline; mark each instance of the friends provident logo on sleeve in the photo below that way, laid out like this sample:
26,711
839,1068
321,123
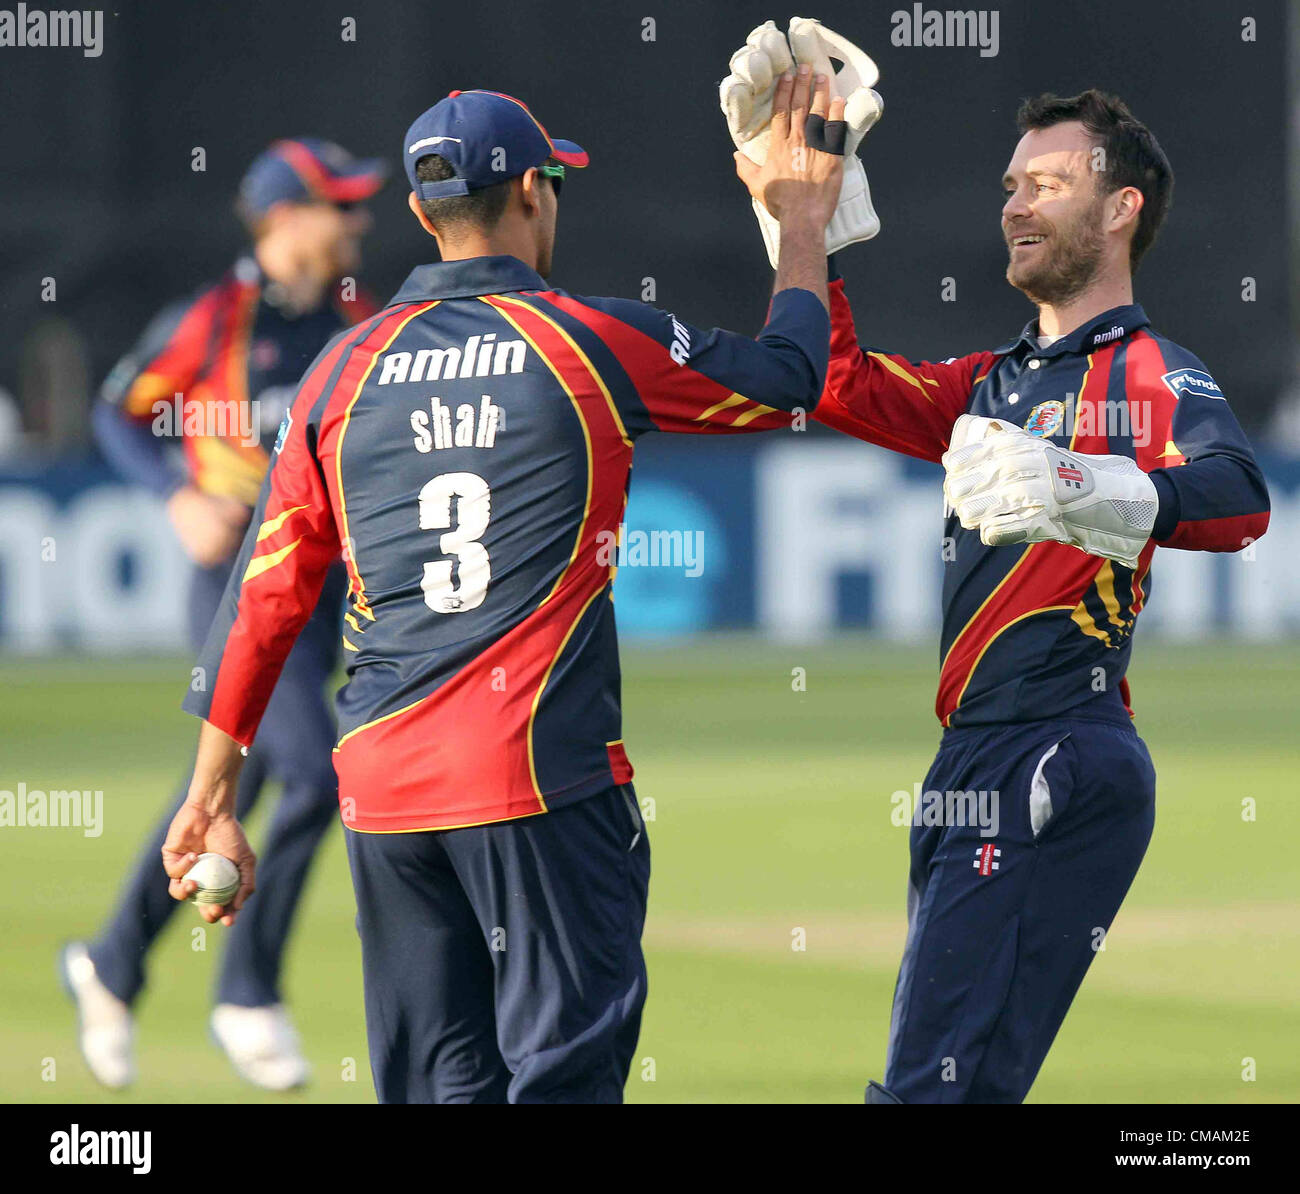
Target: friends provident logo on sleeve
1188,383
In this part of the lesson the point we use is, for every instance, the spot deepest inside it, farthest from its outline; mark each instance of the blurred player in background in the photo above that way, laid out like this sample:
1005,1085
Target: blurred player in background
222,369
1071,452
472,444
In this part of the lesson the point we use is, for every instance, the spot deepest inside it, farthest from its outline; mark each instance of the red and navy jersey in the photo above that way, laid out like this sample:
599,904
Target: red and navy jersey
470,448
216,373
1031,631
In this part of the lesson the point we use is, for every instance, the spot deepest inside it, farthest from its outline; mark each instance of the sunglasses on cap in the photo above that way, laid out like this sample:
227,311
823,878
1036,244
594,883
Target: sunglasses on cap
555,172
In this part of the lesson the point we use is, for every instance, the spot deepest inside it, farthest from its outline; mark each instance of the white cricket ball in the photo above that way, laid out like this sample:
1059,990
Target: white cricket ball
217,877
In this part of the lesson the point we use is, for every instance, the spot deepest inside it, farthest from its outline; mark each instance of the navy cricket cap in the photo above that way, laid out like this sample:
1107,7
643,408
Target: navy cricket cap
487,137
305,170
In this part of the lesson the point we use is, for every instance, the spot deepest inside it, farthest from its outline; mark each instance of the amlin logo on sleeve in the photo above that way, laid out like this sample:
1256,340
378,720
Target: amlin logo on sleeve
80,29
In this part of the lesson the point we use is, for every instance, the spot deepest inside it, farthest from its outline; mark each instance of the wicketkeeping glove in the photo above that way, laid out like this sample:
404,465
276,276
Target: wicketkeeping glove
1017,488
746,99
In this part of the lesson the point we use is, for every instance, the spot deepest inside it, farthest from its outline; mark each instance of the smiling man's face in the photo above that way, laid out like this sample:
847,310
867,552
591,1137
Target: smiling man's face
1052,218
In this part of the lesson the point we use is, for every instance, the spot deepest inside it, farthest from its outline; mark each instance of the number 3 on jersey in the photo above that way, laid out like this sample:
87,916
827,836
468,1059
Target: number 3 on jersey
473,501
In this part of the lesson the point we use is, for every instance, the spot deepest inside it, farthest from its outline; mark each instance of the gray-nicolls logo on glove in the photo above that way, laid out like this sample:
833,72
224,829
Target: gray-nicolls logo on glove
1014,488
746,98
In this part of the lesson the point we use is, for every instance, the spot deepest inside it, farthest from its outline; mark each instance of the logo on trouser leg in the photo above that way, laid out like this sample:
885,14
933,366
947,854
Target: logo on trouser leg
986,857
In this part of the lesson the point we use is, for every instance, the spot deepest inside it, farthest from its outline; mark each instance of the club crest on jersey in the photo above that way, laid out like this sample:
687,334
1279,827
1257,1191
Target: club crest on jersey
1188,383
1045,419
986,858
283,433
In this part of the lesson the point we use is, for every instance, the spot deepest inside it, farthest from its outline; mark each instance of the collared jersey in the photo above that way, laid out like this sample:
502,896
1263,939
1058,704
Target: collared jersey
219,372
470,448
1034,630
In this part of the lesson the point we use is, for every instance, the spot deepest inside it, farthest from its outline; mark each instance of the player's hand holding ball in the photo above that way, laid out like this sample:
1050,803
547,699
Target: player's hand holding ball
217,880
209,862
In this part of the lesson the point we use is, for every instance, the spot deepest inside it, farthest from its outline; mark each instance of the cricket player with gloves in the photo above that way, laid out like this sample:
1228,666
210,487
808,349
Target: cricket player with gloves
470,449
1070,453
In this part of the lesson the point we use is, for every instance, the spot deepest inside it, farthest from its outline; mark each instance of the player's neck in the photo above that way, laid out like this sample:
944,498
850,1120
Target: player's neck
516,242
1060,319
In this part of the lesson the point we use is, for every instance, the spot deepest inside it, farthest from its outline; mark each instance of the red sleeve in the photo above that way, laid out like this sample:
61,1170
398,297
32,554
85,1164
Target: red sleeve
887,400
291,543
685,379
169,358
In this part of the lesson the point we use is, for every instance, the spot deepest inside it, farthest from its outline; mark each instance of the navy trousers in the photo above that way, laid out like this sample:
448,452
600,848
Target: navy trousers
503,962
1003,926
294,745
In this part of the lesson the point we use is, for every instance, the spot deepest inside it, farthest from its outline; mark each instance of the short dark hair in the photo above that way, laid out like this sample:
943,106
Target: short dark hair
1133,157
480,209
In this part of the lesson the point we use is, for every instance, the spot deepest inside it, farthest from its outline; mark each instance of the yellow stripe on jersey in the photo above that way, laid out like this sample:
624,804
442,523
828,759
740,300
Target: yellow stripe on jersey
1106,591
271,525
1078,402
726,403
750,415
1085,622
259,564
895,368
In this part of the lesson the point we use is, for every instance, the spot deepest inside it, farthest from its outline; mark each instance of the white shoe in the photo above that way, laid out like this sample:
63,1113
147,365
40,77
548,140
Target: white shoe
262,1044
105,1028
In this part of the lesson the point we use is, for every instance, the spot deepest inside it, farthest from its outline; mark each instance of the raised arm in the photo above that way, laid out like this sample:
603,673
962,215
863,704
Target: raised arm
884,398
682,379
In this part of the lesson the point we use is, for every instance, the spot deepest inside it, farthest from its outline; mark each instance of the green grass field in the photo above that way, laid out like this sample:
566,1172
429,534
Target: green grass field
771,814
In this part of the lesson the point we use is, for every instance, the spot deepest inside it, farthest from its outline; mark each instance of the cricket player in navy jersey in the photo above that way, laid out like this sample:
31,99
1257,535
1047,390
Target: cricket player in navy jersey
469,448
221,369
1071,452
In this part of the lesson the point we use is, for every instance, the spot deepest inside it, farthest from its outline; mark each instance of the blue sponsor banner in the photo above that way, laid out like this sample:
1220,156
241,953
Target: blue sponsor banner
797,536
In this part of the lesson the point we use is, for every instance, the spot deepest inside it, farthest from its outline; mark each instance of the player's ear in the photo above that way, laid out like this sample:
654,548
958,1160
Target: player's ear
1126,206
414,204
529,191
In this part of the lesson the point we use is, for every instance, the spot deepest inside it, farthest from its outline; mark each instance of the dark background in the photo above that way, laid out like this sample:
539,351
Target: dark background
98,192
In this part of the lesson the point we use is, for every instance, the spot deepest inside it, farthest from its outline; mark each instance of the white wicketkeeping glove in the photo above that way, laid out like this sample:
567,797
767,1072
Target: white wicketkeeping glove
746,98
1017,488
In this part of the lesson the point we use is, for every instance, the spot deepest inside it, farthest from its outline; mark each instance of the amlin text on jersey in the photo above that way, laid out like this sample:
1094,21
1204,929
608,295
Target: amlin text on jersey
478,357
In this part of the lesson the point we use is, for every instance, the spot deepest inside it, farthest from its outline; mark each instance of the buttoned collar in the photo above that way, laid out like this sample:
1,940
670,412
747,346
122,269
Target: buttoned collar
467,278
1107,328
